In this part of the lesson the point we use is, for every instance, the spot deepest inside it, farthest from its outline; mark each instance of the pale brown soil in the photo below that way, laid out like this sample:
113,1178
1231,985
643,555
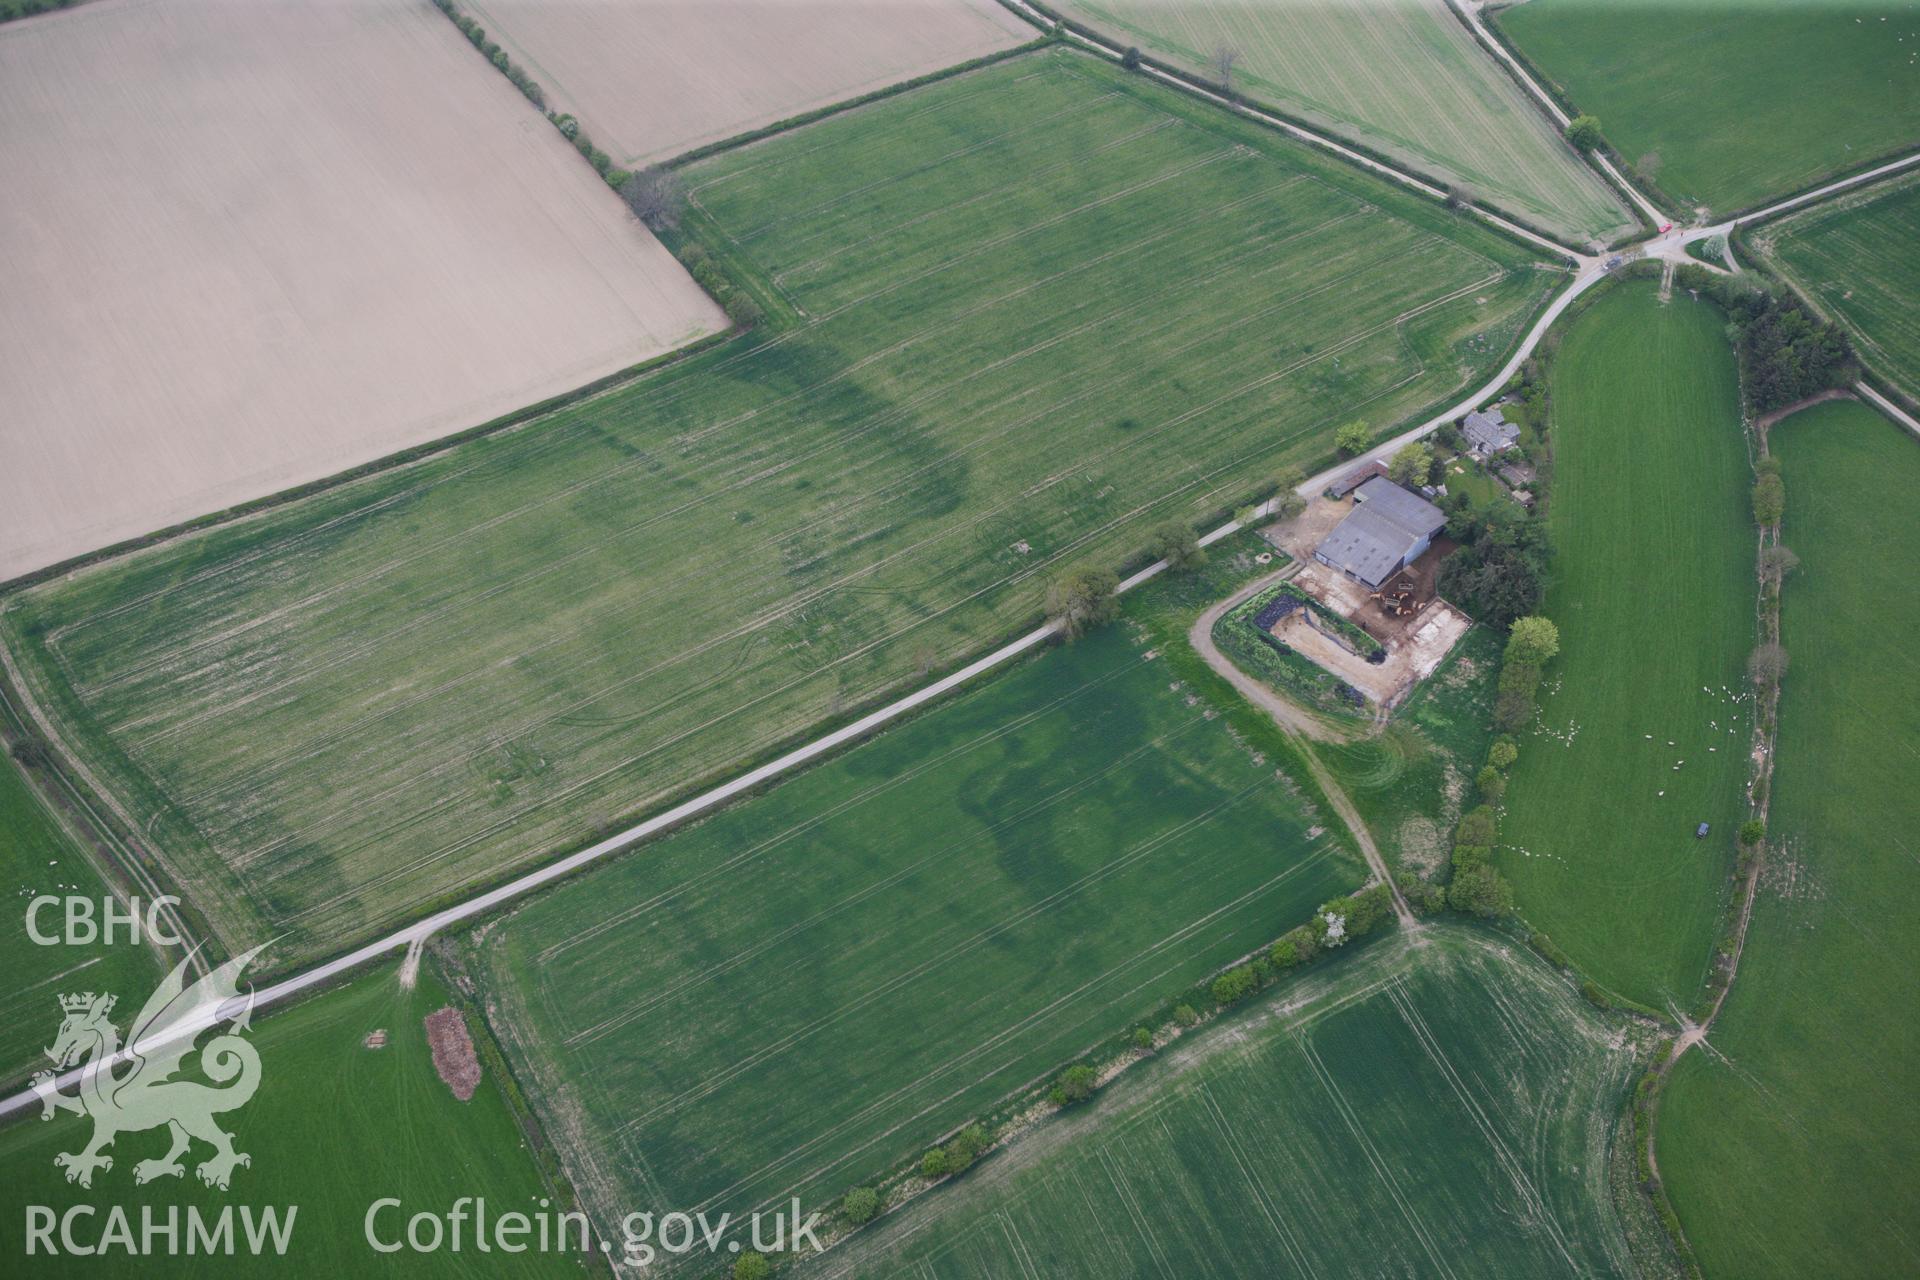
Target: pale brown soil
650,79
267,242
453,1055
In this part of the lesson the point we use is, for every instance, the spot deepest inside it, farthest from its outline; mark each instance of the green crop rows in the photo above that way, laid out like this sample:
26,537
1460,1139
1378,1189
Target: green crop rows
811,986
1439,1107
1403,77
1035,309
1859,260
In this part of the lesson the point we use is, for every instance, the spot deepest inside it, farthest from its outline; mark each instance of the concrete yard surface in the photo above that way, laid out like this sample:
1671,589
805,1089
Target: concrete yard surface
1415,648
269,241
651,79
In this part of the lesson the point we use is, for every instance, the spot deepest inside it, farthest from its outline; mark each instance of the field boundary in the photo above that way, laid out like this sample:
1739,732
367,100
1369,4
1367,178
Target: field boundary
389,462
1772,266
471,903
1653,191
751,136
1357,154
476,904
1522,72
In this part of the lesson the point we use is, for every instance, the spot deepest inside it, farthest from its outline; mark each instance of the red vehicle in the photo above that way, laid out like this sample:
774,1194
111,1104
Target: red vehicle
1665,227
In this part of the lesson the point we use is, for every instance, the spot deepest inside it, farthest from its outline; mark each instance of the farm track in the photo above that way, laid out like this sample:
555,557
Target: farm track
1291,720
733,663
1300,725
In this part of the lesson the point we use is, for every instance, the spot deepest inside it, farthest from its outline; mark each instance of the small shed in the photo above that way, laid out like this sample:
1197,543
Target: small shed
1347,483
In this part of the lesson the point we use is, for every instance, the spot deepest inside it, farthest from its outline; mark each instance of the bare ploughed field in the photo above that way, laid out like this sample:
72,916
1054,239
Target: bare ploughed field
250,243
650,79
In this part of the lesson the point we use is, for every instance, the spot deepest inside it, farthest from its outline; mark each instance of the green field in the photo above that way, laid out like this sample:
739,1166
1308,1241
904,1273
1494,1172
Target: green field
1789,1145
1729,102
812,986
1411,781
1439,1107
1404,78
1045,306
1653,592
1859,260
39,856
335,1126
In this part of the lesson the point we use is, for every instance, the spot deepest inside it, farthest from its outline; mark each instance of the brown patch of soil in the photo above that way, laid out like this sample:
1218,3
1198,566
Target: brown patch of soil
453,1055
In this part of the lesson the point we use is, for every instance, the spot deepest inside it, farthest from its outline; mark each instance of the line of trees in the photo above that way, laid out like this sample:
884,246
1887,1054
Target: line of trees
1476,886
1335,923
494,53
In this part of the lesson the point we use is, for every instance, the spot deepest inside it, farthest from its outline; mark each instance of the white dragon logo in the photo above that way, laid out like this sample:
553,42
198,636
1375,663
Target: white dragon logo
144,1096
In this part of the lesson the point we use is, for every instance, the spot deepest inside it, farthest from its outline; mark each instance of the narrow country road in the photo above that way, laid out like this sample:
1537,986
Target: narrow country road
1588,270
1299,725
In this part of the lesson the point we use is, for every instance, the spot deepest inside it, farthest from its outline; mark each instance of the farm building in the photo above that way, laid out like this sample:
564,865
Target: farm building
1387,529
1347,483
1487,432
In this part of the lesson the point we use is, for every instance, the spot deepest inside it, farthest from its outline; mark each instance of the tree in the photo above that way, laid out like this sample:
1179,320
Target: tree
1186,1015
934,1163
1411,464
1076,1084
656,196
751,1266
1532,641
1235,984
1223,59
1752,832
1512,710
1143,1039
1287,502
1083,601
32,753
1352,438
860,1205
1175,543
1491,783
1769,501
1455,198
1584,133
1482,891
964,1148
1478,826
1766,664
1777,561
1367,909
1130,59
1503,753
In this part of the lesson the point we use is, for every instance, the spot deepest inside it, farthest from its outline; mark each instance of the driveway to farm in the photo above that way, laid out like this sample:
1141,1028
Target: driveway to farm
1588,271
1298,724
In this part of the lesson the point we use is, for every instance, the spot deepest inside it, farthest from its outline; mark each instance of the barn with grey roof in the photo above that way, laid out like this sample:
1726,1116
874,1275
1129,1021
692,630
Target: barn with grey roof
1387,530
